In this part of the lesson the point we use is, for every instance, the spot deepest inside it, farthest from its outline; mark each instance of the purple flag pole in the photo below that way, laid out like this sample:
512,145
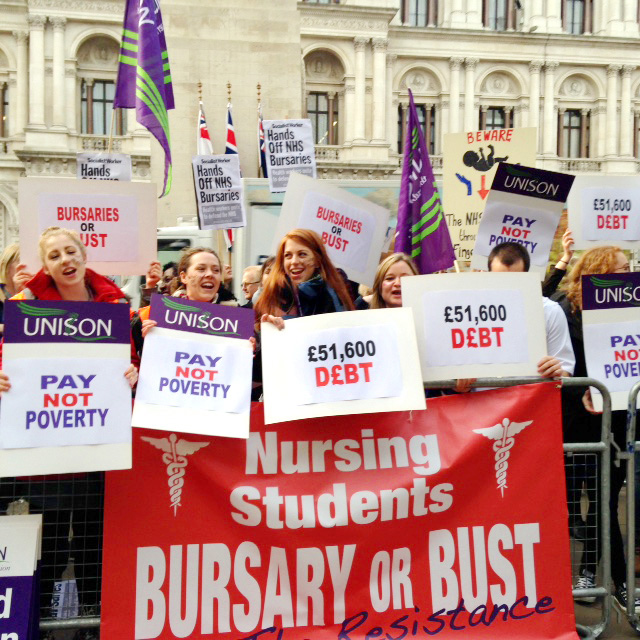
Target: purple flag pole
421,231
144,77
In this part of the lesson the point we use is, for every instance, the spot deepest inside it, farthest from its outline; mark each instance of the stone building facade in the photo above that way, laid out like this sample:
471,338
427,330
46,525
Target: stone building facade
571,68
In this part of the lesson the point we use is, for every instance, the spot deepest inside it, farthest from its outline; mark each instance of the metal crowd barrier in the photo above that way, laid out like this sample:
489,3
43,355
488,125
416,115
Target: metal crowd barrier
601,449
629,456
34,490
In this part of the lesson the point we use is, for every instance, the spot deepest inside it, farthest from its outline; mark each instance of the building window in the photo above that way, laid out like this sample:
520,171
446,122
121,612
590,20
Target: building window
573,141
577,16
427,119
97,106
322,110
4,110
419,13
495,118
499,15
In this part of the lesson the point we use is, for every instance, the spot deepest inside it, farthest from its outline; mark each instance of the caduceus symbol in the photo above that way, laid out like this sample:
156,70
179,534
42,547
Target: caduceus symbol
175,457
503,433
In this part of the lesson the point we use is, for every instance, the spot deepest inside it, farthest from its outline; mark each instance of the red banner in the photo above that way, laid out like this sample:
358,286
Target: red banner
450,522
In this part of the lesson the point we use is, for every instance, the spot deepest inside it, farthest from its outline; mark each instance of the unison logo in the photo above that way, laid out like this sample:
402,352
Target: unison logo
619,291
49,322
180,314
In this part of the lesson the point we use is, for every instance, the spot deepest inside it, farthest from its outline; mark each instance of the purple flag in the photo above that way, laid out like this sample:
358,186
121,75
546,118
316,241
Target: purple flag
144,78
422,230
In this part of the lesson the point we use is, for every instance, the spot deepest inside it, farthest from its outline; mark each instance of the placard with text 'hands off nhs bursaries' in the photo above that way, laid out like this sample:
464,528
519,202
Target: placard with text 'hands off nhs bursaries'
20,553
474,325
195,375
69,406
340,364
611,327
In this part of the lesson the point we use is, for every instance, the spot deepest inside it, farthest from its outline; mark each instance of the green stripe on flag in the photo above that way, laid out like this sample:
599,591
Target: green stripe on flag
165,55
428,231
130,34
129,46
167,80
431,213
165,66
128,60
416,252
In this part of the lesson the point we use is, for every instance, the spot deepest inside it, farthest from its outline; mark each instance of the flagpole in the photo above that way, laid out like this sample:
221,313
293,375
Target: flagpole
259,158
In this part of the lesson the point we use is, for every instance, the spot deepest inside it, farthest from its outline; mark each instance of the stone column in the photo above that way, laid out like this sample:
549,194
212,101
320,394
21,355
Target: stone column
454,94
588,17
636,123
4,117
359,124
554,20
562,152
626,137
349,111
550,125
11,130
630,16
534,93
612,104
427,126
71,104
58,23
331,97
379,76
508,117
537,18
22,80
601,114
36,70
457,15
469,96
404,106
585,145
88,83
483,117
392,113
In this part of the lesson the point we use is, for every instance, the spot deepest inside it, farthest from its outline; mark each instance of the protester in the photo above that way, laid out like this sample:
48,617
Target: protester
303,281
251,280
581,424
199,277
550,285
8,272
64,276
158,280
387,290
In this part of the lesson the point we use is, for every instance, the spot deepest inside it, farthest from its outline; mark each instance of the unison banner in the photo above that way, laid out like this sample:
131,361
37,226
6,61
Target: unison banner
414,524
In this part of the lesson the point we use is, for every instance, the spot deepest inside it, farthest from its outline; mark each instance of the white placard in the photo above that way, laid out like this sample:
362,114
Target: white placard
353,363
218,187
473,325
605,210
611,214
612,353
506,220
289,147
21,539
194,383
291,389
103,166
352,228
116,220
45,408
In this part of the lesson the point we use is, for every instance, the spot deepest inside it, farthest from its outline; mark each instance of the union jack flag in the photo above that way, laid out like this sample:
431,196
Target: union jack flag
203,140
262,151
231,134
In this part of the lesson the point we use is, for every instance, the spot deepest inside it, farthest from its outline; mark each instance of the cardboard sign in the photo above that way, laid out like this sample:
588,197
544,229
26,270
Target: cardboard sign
116,221
218,187
341,363
289,148
194,376
103,166
66,362
473,325
524,206
352,228
348,527
605,210
20,552
611,327
470,161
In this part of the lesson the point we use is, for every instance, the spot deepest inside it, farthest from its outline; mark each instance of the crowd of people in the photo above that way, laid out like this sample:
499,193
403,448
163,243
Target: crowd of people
301,280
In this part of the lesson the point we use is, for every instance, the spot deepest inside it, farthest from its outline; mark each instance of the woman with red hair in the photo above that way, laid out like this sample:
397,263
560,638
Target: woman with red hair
302,282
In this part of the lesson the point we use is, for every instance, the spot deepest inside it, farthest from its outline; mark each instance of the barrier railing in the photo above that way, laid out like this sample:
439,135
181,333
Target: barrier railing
630,458
601,449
